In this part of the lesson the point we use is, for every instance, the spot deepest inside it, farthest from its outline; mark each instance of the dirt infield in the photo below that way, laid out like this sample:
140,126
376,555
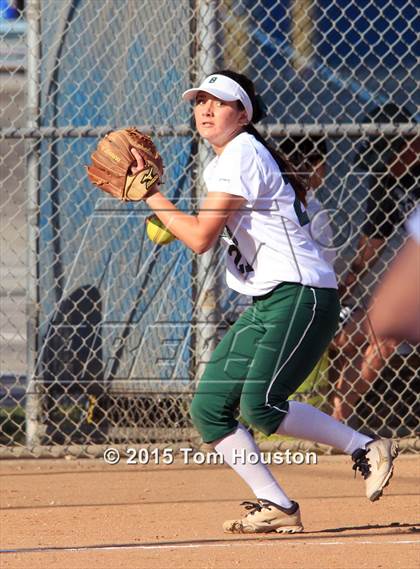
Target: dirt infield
86,514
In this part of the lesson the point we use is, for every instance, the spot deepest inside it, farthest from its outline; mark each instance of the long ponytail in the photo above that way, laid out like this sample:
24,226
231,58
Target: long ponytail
286,167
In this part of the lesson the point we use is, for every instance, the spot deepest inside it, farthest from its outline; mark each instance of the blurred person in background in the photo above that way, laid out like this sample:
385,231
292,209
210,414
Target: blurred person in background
393,167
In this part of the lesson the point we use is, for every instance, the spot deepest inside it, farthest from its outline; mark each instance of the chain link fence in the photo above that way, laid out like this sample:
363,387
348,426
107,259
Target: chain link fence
103,334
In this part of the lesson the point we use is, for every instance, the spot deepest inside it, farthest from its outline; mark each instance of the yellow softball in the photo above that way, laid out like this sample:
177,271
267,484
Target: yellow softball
157,231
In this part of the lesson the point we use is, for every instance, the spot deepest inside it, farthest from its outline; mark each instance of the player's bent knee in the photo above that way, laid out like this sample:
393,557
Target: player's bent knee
205,414
211,419
257,417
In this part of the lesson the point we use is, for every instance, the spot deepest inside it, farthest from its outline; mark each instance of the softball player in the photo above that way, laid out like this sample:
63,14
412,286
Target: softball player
258,202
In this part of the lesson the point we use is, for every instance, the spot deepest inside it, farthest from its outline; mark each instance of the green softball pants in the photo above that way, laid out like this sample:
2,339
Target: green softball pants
263,359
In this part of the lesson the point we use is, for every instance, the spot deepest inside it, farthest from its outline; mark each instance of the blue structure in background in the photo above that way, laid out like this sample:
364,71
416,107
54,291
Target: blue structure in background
86,241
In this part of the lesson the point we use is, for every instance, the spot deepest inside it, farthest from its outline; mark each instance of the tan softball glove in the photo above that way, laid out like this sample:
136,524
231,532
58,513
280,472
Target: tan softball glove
112,163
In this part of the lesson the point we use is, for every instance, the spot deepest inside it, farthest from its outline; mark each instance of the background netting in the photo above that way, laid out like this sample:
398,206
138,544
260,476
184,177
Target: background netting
103,335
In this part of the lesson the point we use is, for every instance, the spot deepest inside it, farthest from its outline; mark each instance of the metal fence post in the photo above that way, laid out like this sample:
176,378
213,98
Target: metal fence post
33,400
207,302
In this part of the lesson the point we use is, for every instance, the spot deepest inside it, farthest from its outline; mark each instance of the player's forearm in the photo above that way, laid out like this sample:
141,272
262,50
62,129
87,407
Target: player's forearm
185,227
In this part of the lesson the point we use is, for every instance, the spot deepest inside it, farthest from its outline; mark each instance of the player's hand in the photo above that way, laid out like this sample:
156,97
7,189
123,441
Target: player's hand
140,162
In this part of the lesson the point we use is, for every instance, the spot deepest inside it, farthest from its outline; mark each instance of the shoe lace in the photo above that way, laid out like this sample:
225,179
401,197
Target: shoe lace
253,507
361,463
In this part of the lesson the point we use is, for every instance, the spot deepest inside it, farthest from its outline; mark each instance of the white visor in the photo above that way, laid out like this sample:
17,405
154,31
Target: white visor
223,88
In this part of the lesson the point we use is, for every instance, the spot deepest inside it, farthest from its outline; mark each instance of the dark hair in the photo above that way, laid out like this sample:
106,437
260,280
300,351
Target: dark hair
289,172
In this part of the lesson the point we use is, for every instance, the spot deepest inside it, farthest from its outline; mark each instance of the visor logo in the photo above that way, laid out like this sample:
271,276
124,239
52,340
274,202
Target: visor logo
213,79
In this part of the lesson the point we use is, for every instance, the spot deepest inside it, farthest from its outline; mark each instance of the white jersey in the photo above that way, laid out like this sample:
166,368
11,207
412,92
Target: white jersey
266,240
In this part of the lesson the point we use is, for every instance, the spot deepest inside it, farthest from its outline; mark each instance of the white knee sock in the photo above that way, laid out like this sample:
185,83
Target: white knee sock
307,422
236,450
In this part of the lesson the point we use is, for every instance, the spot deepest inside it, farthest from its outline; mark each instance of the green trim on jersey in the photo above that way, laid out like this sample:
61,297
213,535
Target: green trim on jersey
264,358
301,212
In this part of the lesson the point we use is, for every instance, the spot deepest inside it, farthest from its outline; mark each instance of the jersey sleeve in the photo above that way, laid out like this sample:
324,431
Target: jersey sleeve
235,172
